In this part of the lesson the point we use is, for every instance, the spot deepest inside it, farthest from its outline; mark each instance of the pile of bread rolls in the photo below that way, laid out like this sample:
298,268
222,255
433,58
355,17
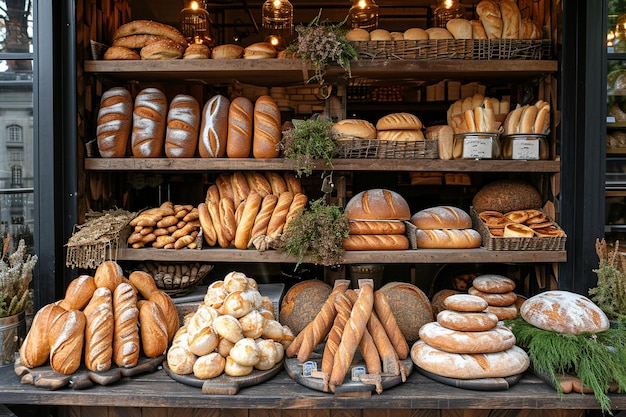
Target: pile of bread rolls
520,223
185,128
468,342
444,227
350,320
169,226
376,221
104,320
250,209
233,331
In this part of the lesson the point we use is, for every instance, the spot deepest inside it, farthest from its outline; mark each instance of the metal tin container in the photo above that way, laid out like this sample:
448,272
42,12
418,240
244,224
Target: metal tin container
477,145
525,146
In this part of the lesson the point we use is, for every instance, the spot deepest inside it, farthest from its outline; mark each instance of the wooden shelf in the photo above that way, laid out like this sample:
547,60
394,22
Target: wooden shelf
281,164
351,257
293,71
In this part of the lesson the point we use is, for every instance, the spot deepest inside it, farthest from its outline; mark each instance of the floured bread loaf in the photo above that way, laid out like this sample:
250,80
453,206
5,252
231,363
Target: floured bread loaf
492,283
465,302
467,322
495,340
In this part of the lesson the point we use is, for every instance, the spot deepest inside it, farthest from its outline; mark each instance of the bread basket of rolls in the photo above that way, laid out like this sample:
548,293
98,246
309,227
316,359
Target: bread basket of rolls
176,278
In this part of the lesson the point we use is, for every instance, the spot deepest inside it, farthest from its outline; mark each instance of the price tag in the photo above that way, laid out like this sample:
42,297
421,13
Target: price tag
477,148
525,149
356,371
308,368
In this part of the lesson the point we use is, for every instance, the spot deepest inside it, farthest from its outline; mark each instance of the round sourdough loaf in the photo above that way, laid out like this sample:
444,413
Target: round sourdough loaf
500,300
467,322
507,195
510,362
493,283
465,302
442,217
564,312
302,302
495,340
504,312
378,204
410,307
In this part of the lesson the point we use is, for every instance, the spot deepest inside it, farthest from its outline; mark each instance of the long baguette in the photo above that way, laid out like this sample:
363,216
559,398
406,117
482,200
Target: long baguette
343,306
388,320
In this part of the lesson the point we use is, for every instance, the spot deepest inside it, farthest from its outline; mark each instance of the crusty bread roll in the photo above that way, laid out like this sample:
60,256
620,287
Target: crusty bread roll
126,339
240,114
99,324
460,28
197,51
209,366
491,18
162,49
415,34
232,368
564,312
78,293
399,121
376,227
376,242
67,339
114,122
467,321
380,35
35,349
252,324
358,34
465,303
377,204
357,128
149,119
259,50
183,120
179,358
245,352
228,328
120,53
439,33
203,341
148,27
269,354
442,217
267,128
402,135
510,362
227,51
448,239
214,127
108,274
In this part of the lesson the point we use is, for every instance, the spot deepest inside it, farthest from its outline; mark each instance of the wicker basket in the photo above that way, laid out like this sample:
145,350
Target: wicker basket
492,242
493,49
357,148
176,278
422,49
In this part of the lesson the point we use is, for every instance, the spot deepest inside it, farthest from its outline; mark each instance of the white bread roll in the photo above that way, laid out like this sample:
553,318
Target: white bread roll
380,35
203,341
232,368
228,328
358,34
448,239
439,33
114,122
442,217
183,120
227,51
209,366
454,341
252,324
245,352
180,360
510,362
235,281
269,354
149,119
197,51
236,305
259,50
214,128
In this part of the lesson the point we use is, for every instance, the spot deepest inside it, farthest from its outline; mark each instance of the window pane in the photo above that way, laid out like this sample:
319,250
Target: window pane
16,26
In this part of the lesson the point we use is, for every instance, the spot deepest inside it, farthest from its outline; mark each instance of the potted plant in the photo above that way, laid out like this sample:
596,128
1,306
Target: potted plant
610,292
16,274
307,141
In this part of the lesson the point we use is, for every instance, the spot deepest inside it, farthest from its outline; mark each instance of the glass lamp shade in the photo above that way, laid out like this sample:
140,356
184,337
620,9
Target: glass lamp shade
277,22
363,14
447,10
195,23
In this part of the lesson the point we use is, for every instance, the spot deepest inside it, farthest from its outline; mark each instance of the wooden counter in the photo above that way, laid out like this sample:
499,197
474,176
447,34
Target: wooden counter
158,390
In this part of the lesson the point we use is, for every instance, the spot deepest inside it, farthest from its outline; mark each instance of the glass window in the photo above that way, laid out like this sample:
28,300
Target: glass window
14,133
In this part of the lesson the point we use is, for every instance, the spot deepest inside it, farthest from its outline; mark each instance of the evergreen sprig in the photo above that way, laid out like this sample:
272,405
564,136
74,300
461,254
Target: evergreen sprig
598,359
307,141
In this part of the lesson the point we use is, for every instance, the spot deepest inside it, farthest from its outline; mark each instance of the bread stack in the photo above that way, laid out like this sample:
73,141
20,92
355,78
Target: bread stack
250,209
104,320
146,39
466,342
399,126
376,221
169,226
350,320
444,227
497,291
233,331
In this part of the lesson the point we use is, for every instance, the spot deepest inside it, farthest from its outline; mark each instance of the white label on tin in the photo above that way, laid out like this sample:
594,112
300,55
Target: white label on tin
477,148
525,149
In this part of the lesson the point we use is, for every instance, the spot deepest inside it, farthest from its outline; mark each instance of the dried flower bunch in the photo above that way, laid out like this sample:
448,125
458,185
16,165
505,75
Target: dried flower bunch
16,274
307,141
321,43
610,292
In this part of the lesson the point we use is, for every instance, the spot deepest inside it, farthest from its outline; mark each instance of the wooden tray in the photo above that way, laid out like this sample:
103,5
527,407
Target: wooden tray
46,377
224,384
480,384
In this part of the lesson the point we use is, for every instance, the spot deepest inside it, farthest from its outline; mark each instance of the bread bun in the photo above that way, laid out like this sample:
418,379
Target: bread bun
197,51
228,328
397,36
209,366
203,341
442,217
410,306
460,28
358,34
245,352
439,33
232,368
357,128
227,51
380,35
259,50
120,53
507,195
269,354
302,302
415,34
377,204
162,49
252,324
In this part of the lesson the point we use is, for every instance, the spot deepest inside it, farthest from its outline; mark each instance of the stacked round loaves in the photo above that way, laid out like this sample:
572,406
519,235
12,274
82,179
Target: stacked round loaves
467,342
498,292
150,128
104,320
250,209
233,331
394,126
376,221
444,227
169,226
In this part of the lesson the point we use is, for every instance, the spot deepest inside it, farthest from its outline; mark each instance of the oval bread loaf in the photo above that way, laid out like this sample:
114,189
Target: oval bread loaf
399,121
465,303
183,120
442,217
267,132
448,238
507,195
493,283
214,127
240,114
454,341
114,122
376,242
357,128
67,339
99,331
149,118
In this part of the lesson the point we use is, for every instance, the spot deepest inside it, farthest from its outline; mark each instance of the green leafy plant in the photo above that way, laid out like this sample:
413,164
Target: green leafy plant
610,291
598,360
321,43
307,141
16,274
317,232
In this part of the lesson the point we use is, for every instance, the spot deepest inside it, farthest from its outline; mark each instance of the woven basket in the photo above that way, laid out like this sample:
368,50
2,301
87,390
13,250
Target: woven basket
357,148
422,49
176,278
491,242
493,49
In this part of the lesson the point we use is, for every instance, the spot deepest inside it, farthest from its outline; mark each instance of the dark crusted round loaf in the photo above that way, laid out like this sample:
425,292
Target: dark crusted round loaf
410,306
302,302
507,195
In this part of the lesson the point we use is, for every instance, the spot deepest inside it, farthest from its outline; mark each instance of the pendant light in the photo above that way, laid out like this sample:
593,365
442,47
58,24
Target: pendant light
363,14
277,22
195,22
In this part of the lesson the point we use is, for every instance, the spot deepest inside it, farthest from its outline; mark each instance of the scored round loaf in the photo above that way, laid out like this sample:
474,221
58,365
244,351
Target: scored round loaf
564,312
399,121
493,283
149,119
507,195
448,238
302,302
183,120
114,122
442,217
357,128
510,362
454,341
378,204
410,306
214,127
467,322
267,128
465,302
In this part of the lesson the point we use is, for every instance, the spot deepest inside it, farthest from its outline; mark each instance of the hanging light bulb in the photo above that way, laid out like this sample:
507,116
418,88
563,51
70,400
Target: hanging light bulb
363,14
277,22
447,10
195,23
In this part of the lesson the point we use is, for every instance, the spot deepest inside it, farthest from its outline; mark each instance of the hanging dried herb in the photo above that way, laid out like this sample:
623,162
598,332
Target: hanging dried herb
307,141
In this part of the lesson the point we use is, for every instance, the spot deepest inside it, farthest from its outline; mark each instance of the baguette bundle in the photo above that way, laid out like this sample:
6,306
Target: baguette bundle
528,119
350,320
169,226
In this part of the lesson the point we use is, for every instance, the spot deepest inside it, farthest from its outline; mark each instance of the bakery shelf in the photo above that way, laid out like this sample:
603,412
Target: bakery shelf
279,164
351,257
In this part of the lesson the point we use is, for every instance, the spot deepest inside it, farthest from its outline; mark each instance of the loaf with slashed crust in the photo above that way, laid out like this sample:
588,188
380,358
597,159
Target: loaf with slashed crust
183,120
214,128
126,339
99,331
267,128
114,122
149,119
377,204
442,217
448,238
240,114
